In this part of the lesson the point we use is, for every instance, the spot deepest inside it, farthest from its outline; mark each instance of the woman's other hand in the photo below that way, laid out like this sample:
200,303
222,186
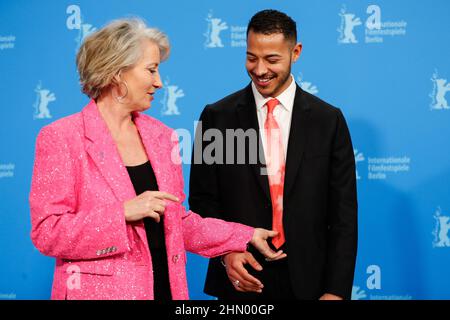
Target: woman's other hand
148,204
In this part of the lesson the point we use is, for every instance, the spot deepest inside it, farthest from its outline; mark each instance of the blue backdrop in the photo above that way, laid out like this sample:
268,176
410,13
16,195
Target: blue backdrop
384,63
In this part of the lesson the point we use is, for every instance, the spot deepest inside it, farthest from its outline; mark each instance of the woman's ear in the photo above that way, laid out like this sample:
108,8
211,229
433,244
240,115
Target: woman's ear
117,78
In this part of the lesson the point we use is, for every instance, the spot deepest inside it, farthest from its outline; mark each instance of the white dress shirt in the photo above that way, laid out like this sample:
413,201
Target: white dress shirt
282,113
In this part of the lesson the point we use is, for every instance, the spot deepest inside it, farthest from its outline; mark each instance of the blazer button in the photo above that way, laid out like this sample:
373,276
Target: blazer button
175,258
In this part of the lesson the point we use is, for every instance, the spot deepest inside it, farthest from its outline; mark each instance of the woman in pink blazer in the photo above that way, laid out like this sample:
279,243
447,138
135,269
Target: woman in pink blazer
107,188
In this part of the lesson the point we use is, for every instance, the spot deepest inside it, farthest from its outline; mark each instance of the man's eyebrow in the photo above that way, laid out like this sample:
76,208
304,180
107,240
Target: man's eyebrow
272,55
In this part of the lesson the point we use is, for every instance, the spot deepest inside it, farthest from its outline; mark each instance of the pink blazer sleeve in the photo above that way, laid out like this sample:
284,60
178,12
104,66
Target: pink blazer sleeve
59,228
208,237
211,237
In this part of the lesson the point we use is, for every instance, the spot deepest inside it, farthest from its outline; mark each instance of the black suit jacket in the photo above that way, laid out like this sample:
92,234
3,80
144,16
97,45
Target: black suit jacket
320,204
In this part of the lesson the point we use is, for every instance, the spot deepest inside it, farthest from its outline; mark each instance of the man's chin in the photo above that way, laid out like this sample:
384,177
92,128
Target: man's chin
265,91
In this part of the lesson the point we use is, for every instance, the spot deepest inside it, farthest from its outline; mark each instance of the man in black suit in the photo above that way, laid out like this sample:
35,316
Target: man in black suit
317,202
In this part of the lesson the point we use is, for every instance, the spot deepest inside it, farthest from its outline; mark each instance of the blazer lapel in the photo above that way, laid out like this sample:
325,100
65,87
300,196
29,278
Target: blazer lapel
103,151
297,139
150,136
246,111
159,156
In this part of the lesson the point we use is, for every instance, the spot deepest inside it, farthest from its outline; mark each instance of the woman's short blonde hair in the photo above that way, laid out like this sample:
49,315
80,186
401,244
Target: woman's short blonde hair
112,49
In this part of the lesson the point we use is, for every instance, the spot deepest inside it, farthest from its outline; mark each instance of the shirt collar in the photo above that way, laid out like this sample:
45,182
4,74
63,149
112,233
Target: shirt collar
286,98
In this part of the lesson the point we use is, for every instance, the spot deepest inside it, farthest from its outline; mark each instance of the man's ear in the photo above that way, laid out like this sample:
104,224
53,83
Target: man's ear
296,51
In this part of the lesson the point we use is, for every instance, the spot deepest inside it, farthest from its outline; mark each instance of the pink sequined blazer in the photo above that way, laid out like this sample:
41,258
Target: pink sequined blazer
78,189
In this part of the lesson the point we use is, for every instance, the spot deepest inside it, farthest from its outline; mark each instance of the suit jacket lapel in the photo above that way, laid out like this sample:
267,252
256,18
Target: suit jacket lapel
246,111
102,149
297,139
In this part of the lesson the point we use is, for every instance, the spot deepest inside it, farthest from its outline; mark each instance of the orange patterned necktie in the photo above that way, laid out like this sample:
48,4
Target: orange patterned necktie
275,171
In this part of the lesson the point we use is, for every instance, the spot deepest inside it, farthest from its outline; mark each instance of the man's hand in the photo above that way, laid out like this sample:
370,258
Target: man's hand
238,275
329,296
